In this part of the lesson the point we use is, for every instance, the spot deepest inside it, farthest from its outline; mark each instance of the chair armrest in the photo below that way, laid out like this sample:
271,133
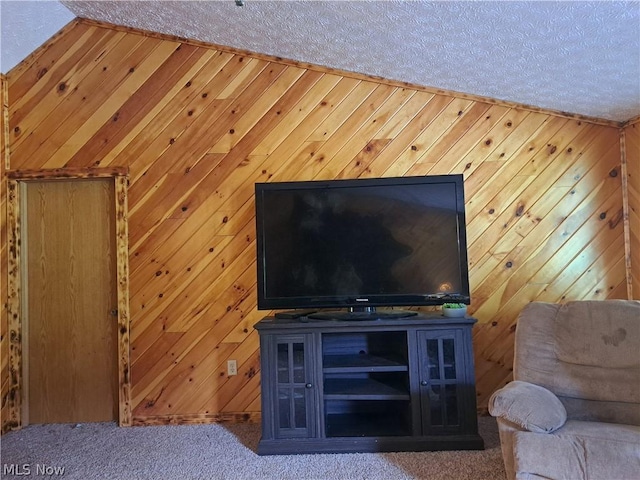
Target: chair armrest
531,407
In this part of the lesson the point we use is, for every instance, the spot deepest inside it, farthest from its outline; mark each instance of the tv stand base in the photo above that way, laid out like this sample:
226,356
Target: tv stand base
370,444
404,384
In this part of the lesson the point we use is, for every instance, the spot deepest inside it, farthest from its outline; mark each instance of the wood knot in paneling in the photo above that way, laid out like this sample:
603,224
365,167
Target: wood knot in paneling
615,221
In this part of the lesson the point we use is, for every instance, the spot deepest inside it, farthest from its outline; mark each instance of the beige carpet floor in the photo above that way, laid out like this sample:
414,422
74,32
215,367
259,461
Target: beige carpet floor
221,452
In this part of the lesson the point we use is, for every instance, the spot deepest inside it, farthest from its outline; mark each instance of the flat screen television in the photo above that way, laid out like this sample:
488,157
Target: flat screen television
361,244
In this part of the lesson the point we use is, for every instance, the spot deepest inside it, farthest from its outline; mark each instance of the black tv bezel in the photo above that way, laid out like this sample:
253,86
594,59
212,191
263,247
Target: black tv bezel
339,301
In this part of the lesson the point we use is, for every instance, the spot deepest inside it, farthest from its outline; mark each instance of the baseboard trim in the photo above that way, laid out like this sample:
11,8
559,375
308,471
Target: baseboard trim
231,417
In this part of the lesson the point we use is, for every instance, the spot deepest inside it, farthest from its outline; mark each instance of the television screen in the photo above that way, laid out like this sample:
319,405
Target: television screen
361,243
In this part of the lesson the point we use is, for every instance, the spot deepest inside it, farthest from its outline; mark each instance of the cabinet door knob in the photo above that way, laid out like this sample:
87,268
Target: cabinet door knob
424,383
308,385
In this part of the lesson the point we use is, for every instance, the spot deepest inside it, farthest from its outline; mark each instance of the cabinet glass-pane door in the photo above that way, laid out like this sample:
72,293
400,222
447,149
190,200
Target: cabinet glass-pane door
294,388
440,376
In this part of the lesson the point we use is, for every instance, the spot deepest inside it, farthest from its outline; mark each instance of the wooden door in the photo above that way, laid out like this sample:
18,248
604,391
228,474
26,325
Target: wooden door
70,294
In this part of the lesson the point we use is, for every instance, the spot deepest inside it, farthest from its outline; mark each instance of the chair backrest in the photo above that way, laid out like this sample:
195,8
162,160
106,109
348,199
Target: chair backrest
587,353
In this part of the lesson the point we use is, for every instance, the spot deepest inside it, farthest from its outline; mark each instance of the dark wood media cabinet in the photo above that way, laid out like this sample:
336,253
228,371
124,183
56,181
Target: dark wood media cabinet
332,386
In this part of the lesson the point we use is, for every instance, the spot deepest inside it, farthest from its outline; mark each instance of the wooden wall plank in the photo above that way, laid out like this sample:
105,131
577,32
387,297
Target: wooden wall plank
143,63
197,126
73,55
166,80
632,158
72,91
173,115
5,373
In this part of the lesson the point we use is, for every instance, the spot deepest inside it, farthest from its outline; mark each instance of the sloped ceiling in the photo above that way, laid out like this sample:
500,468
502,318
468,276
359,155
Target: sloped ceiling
574,56
25,25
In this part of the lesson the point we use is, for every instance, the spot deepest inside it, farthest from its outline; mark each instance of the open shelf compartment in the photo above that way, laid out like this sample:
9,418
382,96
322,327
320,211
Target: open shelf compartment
367,418
365,352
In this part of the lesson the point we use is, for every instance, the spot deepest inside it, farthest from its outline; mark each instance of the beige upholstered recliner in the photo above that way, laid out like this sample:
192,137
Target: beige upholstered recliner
573,409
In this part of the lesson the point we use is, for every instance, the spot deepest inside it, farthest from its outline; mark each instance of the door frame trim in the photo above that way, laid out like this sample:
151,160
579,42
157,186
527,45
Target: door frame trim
14,282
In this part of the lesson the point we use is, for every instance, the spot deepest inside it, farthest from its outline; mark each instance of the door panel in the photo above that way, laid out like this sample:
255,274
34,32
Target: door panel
295,410
71,335
441,374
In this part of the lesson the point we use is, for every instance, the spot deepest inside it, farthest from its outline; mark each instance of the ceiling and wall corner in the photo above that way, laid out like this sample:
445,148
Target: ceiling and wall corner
576,57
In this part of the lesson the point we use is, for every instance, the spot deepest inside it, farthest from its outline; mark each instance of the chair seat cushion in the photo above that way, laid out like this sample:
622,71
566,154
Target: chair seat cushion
579,450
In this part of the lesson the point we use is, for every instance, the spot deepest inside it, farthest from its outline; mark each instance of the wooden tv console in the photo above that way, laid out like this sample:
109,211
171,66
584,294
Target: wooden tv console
333,386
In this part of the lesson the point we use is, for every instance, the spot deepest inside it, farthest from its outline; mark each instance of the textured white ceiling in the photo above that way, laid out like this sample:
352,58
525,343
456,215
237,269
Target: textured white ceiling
579,57
25,26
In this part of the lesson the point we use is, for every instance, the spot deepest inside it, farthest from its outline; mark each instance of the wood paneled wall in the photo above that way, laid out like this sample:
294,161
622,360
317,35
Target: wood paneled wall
632,155
198,126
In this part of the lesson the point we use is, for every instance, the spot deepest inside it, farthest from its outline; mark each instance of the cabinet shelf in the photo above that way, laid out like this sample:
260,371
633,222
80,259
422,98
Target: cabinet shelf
363,363
364,389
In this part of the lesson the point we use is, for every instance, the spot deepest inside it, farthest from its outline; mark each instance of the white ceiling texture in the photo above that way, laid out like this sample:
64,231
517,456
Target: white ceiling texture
573,56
